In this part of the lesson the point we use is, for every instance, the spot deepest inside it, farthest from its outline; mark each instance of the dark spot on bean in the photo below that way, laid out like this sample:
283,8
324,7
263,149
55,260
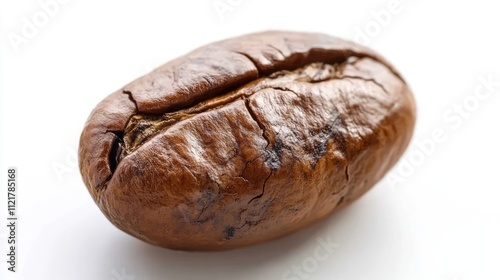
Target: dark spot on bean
229,232
115,153
273,159
329,132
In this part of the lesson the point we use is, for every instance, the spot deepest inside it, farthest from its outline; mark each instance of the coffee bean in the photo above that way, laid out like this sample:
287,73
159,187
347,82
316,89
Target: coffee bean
245,140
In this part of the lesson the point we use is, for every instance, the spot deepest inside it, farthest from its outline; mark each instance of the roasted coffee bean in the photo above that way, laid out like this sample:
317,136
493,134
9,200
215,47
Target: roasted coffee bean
245,140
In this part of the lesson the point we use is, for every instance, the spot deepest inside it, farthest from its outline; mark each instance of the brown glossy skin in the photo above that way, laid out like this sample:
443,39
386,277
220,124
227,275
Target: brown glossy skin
245,140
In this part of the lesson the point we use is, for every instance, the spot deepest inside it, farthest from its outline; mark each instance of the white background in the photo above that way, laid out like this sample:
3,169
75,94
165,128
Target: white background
438,218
